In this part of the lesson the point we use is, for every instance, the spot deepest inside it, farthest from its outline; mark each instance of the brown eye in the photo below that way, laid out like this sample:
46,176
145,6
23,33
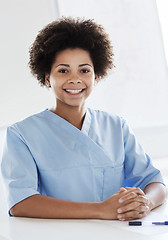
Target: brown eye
63,71
84,71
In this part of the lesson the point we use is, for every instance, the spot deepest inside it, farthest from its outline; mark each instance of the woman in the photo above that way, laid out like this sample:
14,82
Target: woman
71,161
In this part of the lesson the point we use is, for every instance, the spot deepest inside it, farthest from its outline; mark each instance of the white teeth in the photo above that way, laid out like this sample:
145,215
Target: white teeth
74,91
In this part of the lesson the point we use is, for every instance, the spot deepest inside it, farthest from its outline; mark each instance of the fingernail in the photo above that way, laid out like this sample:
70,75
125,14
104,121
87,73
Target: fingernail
119,210
121,219
120,200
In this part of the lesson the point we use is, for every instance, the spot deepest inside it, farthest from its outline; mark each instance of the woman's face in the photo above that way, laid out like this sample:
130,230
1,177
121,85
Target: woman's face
72,77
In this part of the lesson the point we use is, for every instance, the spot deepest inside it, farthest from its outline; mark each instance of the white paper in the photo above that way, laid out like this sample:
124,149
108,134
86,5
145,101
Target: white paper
148,228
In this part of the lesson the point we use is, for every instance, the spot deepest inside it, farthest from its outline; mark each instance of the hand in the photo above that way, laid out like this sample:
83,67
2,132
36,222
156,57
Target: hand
134,204
121,199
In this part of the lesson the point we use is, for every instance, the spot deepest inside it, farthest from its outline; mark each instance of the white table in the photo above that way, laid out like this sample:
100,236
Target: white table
32,229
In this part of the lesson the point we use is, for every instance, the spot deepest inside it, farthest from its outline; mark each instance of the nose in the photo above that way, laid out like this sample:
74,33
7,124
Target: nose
74,79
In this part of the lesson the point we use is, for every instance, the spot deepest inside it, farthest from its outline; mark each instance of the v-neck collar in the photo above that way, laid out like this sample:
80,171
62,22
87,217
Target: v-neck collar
61,122
87,122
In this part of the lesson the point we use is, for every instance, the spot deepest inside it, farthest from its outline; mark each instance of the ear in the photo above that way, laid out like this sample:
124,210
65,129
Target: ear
47,80
96,80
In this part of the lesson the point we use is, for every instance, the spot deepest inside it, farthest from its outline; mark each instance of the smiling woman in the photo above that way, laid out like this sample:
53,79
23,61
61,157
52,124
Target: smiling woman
70,33
71,161
71,78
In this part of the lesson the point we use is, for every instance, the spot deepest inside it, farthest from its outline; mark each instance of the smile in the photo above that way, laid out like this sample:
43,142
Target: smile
74,91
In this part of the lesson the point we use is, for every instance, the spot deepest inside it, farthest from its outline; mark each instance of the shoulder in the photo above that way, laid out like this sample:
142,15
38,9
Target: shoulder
27,123
106,117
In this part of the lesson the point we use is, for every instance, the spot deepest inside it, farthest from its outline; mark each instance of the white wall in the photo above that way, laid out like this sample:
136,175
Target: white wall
20,21
137,88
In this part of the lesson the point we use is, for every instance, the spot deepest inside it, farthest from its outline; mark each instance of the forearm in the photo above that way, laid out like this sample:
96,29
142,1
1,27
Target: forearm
40,206
156,194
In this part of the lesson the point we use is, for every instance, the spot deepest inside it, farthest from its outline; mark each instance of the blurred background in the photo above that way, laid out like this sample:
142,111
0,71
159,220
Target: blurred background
136,89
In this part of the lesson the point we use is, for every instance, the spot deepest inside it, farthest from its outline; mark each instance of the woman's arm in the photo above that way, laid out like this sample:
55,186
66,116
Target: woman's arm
156,194
129,203
40,206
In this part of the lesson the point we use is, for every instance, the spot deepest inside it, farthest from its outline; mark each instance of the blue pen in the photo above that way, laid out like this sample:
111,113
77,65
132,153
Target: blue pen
139,223
160,223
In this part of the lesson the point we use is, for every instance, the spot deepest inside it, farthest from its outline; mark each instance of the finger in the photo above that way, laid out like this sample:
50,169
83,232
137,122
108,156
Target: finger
138,191
134,189
123,189
116,193
142,200
129,194
129,188
132,215
142,209
133,206
138,198
128,207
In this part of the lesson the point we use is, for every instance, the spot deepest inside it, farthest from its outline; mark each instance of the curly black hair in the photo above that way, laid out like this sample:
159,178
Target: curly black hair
70,33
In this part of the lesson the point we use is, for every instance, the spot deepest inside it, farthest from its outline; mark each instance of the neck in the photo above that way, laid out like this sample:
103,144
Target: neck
73,114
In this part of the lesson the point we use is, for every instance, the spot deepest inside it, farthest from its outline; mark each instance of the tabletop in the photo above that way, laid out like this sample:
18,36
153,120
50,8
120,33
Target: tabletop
17,228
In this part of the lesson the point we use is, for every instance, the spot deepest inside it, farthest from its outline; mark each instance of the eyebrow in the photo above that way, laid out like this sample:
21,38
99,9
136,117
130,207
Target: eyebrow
81,65
67,65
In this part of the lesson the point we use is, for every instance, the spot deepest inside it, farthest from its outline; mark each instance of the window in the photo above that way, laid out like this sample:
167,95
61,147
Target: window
162,6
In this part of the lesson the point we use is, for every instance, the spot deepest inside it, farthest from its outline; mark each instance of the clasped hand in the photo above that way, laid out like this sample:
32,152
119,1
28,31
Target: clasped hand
134,204
127,204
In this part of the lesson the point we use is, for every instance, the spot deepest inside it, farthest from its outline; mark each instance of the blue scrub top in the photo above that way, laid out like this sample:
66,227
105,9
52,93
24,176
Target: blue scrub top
45,154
